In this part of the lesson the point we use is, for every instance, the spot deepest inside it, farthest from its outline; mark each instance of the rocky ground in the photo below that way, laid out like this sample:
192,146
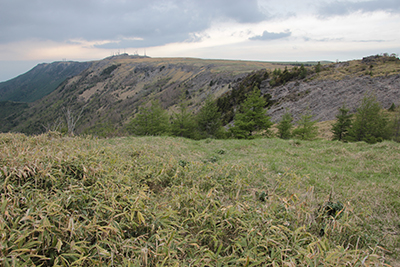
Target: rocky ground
325,97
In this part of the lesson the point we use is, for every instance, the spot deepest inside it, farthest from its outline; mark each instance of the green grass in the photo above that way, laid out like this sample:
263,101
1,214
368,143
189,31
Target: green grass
162,201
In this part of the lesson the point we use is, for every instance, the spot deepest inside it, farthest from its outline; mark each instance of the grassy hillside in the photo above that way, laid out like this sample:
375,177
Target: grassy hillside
160,201
9,112
39,81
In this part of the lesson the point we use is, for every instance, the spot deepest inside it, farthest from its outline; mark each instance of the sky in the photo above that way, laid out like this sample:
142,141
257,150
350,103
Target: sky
37,31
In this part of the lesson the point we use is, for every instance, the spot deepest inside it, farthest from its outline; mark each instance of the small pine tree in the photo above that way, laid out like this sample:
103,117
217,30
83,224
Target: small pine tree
318,67
396,127
183,123
251,117
152,120
369,124
306,129
209,120
341,127
302,72
285,126
392,107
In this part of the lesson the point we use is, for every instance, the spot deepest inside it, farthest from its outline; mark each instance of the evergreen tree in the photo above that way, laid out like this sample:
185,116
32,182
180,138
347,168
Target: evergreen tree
251,116
341,127
151,120
396,127
302,72
285,126
209,120
369,124
318,67
183,123
306,129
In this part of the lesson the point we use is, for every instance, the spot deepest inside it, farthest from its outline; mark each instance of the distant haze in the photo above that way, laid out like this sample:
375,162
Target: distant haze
34,31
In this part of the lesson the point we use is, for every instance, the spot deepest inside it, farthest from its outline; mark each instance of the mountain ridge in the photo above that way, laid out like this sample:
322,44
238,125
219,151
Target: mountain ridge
109,92
40,81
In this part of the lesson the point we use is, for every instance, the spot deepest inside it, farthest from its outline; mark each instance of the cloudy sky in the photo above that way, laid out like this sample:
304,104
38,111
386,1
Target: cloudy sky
36,31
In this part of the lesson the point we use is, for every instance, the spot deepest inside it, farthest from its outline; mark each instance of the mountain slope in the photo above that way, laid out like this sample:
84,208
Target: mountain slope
325,92
109,92
39,81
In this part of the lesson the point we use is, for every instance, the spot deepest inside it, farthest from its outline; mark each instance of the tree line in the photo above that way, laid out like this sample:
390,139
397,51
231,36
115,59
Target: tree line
369,124
250,120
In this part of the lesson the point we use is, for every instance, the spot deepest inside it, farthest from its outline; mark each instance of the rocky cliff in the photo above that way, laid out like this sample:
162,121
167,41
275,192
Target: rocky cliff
325,97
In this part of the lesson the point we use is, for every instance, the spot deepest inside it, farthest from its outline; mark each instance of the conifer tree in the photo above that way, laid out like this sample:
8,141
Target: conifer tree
302,72
306,129
209,120
151,120
318,67
342,125
183,123
369,124
285,126
396,127
251,116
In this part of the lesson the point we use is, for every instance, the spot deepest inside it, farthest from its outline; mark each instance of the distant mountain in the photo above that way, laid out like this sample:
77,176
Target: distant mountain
39,81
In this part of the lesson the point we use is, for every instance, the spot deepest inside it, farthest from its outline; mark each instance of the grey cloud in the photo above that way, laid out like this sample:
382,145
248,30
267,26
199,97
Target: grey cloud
338,8
267,36
308,39
157,22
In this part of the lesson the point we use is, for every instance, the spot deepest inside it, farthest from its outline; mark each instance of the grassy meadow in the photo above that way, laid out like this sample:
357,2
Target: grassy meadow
164,201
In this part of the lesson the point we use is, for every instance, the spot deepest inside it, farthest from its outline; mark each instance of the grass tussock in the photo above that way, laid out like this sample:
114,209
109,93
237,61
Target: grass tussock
161,201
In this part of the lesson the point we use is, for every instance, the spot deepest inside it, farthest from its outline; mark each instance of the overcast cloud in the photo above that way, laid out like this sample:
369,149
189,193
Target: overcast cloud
341,8
271,36
33,31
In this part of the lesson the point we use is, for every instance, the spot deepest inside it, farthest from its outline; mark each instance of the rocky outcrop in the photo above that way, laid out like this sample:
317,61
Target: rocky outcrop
324,98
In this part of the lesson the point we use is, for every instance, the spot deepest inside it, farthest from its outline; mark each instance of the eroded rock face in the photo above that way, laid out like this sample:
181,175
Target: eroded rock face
324,98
